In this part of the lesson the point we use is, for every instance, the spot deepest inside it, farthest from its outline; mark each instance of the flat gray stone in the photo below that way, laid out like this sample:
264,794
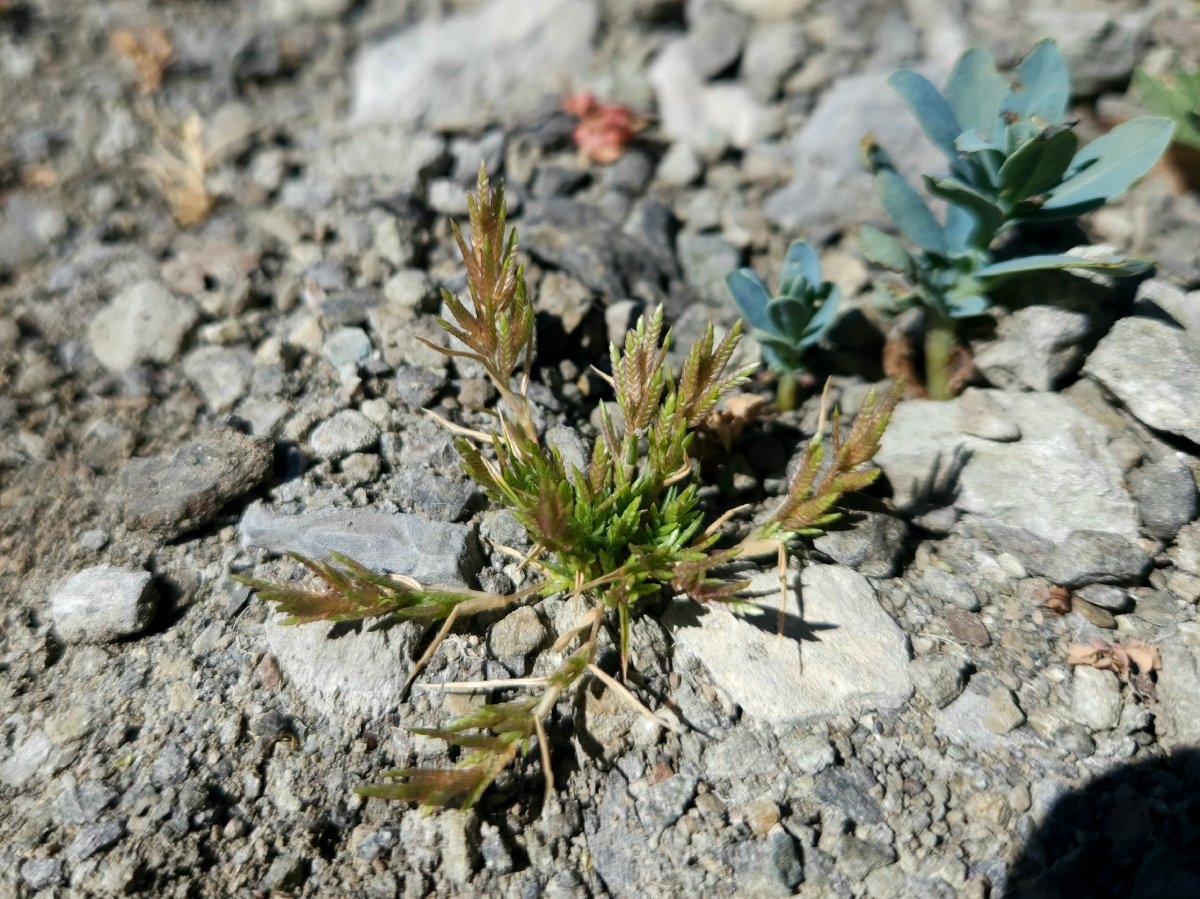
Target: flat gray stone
1036,348
493,63
1152,366
1177,715
344,671
854,657
346,432
1166,495
1095,557
171,495
102,604
871,543
145,322
432,552
1059,474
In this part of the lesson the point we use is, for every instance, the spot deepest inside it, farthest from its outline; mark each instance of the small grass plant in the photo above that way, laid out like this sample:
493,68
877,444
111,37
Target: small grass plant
1014,160
627,527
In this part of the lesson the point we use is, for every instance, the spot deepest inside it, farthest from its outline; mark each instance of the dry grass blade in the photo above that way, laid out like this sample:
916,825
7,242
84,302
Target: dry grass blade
178,166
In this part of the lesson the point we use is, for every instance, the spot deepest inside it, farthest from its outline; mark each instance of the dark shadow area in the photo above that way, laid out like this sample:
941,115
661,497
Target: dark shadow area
1133,834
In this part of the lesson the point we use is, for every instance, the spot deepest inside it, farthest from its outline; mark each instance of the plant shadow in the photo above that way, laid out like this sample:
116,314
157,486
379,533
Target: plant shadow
1133,833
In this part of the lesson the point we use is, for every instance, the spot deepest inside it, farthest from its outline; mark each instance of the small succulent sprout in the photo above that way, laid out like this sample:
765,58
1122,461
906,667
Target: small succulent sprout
789,323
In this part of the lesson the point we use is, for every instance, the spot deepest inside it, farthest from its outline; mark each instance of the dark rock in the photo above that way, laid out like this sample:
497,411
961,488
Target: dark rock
171,495
1090,557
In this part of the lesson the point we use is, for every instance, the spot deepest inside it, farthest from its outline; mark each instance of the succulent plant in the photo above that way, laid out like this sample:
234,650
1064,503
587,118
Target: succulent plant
1013,160
786,324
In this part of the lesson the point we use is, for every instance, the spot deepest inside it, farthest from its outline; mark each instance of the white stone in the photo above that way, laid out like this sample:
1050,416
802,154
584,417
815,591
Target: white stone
145,322
852,656
1095,698
103,603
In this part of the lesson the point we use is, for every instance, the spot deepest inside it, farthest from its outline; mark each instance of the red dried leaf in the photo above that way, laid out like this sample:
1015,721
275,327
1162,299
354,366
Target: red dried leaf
604,129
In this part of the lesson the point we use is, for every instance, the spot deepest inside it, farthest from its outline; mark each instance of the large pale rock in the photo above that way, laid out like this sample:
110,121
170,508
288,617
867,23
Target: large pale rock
1151,361
496,63
102,604
1059,476
840,651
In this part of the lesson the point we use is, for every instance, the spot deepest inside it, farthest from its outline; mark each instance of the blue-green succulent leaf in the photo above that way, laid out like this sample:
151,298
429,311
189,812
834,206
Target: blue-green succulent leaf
789,317
822,320
801,261
960,228
1042,88
1113,265
975,91
909,212
988,215
885,250
930,107
1105,168
1038,165
968,307
750,294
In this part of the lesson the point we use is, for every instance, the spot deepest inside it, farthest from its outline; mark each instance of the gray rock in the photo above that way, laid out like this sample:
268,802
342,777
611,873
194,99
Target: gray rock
171,495
849,789
979,415
346,671
661,804
1090,557
584,243
1185,552
495,63
170,766
286,872
411,289
706,117
574,449
772,51
840,653
102,604
1152,366
84,802
706,259
390,155
433,495
1002,713
857,857
94,838
432,552
221,374
347,346
832,189
145,322
807,752
343,308
348,431
1166,494
28,228
564,298
1095,698
1036,348
418,387
29,758
1106,596
1177,715
42,873
1060,473
939,678
769,866
871,544
770,10
517,634
948,589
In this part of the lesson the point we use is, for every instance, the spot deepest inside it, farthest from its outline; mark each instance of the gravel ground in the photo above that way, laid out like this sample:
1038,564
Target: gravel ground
223,227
